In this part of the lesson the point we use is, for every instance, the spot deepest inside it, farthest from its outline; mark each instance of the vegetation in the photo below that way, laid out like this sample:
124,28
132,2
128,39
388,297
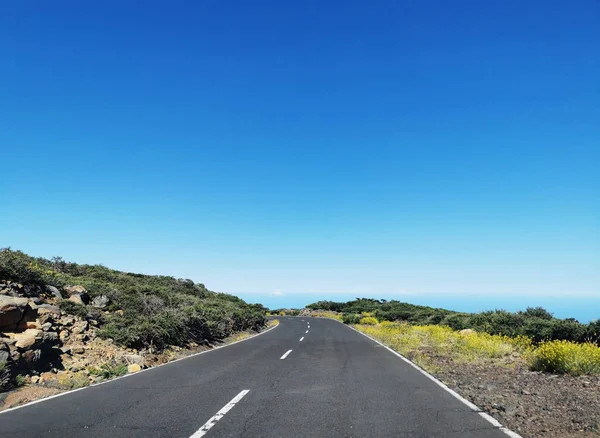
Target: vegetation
109,370
535,323
421,343
144,311
564,357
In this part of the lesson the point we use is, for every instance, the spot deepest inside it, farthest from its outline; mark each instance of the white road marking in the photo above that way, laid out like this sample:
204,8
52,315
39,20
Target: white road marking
302,338
442,385
108,382
286,354
213,420
306,331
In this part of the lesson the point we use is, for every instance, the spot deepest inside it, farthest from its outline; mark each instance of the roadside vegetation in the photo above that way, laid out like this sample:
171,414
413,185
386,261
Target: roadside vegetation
421,333
140,311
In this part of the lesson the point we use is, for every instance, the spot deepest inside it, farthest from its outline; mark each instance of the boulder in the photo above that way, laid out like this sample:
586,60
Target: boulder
47,309
13,310
4,356
28,338
79,299
135,359
71,290
467,332
53,291
100,301
133,368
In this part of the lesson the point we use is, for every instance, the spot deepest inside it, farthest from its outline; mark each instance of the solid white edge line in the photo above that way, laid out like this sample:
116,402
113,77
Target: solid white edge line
134,374
301,338
285,354
442,385
213,420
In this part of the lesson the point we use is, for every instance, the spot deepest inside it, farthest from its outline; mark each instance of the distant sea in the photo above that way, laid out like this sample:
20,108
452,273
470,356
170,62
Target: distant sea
584,309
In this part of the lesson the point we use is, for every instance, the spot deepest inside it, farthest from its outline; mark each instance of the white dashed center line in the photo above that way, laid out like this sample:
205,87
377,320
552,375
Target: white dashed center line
213,420
301,338
306,331
286,354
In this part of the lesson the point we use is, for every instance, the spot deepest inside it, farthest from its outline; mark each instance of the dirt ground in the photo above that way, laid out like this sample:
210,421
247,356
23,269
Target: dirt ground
533,404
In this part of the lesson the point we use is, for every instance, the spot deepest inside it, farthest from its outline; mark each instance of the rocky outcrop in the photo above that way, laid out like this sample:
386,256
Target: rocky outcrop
16,310
49,347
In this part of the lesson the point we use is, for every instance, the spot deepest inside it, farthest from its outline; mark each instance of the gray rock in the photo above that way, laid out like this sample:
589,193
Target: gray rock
54,291
100,301
135,359
4,355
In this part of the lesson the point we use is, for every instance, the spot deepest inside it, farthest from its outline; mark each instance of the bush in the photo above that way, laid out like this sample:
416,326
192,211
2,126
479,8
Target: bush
109,370
564,357
368,320
154,311
350,318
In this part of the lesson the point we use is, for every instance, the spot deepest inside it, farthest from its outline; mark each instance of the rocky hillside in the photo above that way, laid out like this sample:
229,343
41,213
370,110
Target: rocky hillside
64,325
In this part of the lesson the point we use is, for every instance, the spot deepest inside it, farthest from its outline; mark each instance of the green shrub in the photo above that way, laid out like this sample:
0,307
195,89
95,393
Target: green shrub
157,311
109,370
350,318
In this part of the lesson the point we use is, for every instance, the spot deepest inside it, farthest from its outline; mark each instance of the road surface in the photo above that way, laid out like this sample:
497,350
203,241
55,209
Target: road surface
308,377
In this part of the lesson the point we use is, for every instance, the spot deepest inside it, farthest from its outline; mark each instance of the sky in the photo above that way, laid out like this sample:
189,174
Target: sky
428,151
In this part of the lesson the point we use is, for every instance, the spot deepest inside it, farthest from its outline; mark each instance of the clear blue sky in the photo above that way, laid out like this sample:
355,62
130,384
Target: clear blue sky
411,149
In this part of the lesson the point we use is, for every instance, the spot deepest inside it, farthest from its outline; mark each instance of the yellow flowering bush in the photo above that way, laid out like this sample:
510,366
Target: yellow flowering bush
563,357
368,320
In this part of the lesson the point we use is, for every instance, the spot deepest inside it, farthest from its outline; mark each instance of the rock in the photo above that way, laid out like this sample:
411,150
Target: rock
79,327
120,312
133,368
77,349
4,355
77,299
35,379
67,321
50,337
135,359
28,325
14,310
70,290
45,309
53,291
65,349
46,326
31,356
27,338
63,335
467,332
100,301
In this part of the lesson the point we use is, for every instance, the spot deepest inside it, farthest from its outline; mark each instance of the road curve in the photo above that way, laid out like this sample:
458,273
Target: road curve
309,377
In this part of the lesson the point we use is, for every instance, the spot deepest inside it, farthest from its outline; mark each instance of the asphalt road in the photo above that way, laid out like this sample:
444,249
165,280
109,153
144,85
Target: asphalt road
333,383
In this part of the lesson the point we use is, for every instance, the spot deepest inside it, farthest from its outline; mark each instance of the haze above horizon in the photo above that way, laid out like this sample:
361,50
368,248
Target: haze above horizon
421,149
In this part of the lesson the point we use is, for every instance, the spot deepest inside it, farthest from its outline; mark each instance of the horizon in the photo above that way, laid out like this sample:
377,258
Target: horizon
424,150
